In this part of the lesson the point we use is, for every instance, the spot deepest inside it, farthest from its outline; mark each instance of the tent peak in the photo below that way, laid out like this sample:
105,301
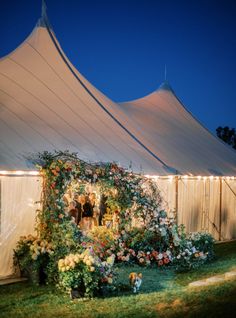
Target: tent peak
43,19
165,86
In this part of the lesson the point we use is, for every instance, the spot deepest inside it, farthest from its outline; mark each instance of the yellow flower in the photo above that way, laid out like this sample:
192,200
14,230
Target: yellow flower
92,269
66,261
61,262
76,259
72,264
34,256
109,280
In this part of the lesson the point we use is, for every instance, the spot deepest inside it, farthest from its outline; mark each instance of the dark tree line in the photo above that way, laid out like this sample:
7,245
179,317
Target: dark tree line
227,134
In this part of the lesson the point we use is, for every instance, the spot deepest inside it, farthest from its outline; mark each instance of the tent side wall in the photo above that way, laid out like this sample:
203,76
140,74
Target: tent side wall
202,204
18,202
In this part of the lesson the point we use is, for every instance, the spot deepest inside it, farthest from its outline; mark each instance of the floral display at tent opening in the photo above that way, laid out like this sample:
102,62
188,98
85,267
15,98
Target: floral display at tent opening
143,234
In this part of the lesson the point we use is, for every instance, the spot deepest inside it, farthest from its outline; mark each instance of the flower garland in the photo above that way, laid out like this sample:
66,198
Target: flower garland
137,197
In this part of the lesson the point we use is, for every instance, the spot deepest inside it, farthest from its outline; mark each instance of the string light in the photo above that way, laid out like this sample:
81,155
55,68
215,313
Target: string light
170,178
19,173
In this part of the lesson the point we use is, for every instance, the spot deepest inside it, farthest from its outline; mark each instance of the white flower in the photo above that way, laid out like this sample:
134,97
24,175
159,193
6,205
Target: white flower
160,256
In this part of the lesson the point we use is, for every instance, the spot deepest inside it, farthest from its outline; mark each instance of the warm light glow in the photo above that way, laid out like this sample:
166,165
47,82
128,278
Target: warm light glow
204,178
3,172
152,177
211,177
185,177
34,173
19,173
170,178
199,177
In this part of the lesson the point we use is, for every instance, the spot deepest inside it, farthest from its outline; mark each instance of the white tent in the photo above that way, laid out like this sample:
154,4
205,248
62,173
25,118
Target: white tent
203,193
46,104
176,136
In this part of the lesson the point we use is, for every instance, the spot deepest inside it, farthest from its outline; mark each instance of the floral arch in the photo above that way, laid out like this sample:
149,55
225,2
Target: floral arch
137,197
84,262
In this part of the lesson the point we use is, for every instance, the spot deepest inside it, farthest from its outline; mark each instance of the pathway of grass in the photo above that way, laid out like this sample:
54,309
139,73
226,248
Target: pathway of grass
163,294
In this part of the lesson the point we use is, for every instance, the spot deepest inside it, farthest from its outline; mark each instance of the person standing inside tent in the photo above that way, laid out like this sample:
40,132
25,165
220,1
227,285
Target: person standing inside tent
87,214
93,202
73,212
78,207
102,208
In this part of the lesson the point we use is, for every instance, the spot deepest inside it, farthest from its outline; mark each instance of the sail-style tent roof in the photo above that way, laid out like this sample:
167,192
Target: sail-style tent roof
46,104
177,136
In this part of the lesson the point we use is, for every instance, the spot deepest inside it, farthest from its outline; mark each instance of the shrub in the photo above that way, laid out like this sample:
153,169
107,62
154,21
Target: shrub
85,273
31,256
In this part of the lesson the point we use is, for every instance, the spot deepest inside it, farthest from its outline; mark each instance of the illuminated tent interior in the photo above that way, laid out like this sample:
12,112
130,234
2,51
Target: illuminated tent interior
46,104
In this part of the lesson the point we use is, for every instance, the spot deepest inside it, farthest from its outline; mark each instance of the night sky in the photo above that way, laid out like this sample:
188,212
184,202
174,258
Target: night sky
122,47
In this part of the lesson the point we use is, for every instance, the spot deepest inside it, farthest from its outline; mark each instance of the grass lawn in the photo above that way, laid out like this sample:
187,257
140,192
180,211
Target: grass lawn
164,293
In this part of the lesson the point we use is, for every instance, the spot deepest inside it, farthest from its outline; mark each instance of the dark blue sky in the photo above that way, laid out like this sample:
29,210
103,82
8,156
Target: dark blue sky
122,46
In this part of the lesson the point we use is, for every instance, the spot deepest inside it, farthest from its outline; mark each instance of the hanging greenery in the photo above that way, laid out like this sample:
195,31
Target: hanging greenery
136,197
144,234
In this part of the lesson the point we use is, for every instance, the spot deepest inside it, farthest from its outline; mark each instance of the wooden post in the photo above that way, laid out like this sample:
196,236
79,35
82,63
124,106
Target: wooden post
176,198
220,209
0,205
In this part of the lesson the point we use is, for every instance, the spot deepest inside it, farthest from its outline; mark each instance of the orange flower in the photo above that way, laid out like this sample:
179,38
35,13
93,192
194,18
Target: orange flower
54,172
166,260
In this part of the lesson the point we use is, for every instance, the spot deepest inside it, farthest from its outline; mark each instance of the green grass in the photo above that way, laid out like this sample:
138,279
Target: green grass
163,294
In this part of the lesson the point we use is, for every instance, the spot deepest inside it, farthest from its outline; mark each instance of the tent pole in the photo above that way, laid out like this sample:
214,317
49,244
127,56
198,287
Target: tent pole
176,198
220,210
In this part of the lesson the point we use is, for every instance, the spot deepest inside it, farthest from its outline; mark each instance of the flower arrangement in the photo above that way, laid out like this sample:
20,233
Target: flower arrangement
31,255
85,273
144,234
191,250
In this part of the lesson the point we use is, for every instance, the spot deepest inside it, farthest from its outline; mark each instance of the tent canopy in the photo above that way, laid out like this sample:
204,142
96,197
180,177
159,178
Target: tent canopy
178,138
46,104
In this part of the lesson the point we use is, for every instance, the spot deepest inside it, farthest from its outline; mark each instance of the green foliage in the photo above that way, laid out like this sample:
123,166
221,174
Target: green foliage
163,293
143,235
192,250
31,256
227,134
85,272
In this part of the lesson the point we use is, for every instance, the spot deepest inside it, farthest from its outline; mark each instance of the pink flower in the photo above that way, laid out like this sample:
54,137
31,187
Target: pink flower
160,263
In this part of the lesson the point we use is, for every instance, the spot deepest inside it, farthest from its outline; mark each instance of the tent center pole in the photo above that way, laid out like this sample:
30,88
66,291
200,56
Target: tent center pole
176,198
220,209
